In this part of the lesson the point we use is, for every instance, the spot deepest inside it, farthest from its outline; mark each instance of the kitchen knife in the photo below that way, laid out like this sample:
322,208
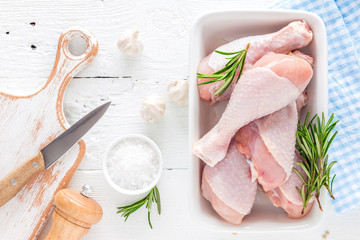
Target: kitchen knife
15,180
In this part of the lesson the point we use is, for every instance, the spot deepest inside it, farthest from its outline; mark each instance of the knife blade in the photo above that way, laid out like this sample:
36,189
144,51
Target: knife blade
12,183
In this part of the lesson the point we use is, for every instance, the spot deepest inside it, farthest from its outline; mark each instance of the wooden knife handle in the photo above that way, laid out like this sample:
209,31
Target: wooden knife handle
15,180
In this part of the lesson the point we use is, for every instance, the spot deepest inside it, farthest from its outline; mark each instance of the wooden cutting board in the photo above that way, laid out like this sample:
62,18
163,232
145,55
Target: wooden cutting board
27,124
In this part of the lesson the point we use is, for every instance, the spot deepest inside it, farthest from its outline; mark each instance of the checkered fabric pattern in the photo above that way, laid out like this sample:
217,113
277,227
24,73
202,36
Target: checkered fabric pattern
342,21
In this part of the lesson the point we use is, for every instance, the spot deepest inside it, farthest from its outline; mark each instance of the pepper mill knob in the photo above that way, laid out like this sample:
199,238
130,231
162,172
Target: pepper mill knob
86,190
74,214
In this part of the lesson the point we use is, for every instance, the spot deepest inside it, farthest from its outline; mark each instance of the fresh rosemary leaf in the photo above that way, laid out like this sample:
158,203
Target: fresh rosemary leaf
313,139
149,221
157,199
228,73
211,81
299,174
226,53
153,196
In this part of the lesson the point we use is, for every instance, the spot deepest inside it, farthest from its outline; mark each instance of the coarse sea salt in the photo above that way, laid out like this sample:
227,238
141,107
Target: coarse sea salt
133,163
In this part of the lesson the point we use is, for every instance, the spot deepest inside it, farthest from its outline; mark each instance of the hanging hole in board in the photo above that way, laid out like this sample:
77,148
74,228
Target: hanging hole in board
77,46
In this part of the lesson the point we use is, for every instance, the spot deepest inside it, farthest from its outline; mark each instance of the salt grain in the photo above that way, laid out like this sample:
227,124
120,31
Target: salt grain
133,164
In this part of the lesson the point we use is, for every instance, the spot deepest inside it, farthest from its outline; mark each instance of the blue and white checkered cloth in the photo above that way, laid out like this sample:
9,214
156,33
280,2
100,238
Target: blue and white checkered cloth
342,21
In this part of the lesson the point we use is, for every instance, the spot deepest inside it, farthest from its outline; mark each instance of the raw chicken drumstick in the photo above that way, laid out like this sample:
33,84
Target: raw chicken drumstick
275,81
269,144
228,186
287,197
294,36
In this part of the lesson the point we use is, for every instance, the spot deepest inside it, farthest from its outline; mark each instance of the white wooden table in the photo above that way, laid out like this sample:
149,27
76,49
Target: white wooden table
29,33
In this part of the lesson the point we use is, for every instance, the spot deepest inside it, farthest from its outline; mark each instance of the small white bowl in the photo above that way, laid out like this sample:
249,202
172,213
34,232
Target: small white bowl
137,191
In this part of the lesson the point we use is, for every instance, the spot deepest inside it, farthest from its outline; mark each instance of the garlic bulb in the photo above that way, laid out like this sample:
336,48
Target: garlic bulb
130,44
153,108
178,92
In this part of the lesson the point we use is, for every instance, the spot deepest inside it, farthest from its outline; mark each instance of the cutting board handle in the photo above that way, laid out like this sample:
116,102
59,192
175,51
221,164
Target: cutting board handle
66,64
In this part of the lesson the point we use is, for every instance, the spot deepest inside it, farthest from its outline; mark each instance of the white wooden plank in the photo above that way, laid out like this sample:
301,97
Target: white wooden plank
123,117
164,27
175,222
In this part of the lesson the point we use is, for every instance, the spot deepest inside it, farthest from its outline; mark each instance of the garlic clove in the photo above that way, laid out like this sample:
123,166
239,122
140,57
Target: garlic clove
153,108
178,92
130,44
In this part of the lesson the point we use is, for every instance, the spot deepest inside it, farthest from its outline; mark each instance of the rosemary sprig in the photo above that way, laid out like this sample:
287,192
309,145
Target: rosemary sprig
153,196
228,73
313,140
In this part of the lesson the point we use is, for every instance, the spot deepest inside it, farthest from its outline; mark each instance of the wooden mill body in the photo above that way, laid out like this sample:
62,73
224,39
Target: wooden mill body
73,216
27,124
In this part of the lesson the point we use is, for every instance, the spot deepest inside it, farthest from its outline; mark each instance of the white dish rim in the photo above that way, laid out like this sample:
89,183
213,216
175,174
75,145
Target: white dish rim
193,95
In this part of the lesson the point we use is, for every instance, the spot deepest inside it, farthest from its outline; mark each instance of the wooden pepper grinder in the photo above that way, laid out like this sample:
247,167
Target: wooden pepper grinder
74,214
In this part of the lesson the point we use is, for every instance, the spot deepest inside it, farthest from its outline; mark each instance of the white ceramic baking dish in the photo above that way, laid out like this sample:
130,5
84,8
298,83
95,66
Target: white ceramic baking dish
208,32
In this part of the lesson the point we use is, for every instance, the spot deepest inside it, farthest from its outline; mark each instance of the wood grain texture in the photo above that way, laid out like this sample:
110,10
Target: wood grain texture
27,124
73,216
61,229
125,94
12,183
162,25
